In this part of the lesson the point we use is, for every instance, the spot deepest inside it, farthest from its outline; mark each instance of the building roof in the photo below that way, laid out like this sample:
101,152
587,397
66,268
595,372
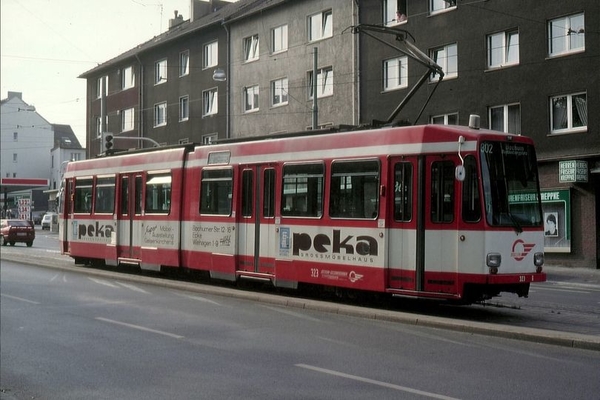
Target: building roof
219,16
65,138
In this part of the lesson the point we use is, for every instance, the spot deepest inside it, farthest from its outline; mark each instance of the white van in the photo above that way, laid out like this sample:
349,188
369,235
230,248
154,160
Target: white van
47,221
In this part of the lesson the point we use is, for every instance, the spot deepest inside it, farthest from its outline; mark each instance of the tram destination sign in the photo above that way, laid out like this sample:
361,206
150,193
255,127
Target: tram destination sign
573,171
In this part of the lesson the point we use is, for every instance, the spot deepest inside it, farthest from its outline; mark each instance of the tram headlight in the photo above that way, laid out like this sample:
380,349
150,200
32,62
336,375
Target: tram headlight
538,261
493,261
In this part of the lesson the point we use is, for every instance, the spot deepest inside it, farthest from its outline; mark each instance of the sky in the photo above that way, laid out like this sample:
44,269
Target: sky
47,44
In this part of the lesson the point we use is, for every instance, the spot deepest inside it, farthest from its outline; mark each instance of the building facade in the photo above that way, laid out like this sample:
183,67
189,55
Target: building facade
246,69
531,72
32,152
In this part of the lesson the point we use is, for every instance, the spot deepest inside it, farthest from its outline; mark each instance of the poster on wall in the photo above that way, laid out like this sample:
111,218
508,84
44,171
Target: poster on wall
556,206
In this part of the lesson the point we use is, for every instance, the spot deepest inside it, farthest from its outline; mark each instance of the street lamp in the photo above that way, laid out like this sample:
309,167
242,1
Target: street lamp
219,75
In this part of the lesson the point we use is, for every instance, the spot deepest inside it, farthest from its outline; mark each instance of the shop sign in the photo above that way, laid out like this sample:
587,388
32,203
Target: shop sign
573,171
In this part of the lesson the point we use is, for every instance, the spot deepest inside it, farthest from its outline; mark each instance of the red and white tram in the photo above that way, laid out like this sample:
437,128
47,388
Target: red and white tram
428,211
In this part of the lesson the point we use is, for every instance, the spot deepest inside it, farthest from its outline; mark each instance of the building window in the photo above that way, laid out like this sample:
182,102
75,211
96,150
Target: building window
436,6
14,157
251,48
279,92
209,102
99,86
211,54
395,73
445,119
566,35
183,141
320,26
209,139
279,39
251,98
506,118
569,113
184,108
16,136
447,58
160,114
127,78
184,63
75,157
503,49
394,12
324,83
160,71
127,120
99,127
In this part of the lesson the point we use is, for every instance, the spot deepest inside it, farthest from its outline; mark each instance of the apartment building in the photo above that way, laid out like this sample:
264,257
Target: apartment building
525,67
246,69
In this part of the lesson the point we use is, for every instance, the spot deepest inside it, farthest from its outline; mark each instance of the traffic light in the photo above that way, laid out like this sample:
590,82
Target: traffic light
108,141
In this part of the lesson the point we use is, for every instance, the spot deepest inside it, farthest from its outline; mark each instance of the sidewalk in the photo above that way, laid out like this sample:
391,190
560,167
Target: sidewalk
573,275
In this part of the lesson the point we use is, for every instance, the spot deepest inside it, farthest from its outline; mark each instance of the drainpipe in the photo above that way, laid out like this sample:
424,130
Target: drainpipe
141,98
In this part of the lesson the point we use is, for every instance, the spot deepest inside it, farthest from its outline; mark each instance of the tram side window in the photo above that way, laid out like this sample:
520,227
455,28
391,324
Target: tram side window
354,189
83,196
124,195
247,191
138,194
158,194
403,173
269,194
105,195
471,199
216,191
442,191
302,190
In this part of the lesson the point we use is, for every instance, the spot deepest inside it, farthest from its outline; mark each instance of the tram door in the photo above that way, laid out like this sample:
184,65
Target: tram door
255,229
67,214
129,207
441,217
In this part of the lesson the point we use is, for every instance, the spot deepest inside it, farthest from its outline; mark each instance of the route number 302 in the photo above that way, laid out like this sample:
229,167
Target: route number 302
486,148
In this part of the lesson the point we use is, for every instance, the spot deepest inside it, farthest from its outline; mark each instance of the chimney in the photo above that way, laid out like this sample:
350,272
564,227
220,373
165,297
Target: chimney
177,20
18,95
201,8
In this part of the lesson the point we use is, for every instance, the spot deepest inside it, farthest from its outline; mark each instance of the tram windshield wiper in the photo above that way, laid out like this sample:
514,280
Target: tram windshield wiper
515,223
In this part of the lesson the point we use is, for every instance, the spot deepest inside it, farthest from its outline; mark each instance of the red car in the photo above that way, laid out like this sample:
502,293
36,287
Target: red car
16,230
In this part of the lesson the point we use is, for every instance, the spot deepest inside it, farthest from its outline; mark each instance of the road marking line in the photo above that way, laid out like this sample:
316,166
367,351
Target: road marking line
138,327
553,289
199,298
293,314
102,282
132,287
374,382
19,298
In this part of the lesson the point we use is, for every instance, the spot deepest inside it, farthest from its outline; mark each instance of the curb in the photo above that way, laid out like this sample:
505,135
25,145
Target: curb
557,338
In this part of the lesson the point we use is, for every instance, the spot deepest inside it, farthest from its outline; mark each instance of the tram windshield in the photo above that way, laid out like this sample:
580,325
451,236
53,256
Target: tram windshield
510,183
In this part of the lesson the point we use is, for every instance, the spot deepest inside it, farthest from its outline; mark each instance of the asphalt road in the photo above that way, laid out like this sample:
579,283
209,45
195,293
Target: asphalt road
563,311
72,335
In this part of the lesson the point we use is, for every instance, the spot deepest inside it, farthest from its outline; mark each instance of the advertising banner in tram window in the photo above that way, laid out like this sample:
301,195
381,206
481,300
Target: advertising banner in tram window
556,205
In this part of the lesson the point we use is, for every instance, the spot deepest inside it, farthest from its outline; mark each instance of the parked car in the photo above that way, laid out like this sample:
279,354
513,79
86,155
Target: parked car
16,230
37,217
47,221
